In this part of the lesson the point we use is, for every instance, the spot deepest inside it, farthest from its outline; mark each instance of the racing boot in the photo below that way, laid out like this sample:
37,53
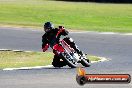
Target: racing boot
57,62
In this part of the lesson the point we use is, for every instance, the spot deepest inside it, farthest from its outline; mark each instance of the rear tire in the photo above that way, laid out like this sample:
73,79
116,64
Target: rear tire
71,64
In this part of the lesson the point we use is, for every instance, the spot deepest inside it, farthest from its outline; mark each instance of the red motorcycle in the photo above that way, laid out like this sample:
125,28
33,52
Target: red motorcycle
69,55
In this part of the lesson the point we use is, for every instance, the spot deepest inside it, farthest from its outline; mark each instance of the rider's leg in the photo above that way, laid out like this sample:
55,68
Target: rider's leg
73,45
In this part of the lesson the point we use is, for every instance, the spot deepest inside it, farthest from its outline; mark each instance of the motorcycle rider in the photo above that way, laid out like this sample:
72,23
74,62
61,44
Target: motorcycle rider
51,37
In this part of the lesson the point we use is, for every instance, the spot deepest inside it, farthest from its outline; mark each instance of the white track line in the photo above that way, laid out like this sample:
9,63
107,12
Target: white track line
14,50
102,59
102,33
28,68
108,33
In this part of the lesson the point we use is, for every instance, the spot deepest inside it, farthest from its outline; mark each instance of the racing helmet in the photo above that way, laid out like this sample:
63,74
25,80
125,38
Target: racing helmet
48,26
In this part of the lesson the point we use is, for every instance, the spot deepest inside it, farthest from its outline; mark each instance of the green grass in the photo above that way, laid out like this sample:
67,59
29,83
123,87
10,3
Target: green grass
73,15
24,59
9,59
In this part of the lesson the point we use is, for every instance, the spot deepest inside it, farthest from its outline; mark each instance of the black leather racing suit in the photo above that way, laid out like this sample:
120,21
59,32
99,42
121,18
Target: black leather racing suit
51,39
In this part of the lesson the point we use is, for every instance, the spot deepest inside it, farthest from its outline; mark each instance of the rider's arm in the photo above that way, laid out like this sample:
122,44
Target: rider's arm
64,32
61,31
45,44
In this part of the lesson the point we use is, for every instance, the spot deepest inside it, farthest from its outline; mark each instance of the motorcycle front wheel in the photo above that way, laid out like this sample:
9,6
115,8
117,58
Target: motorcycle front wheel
85,62
70,62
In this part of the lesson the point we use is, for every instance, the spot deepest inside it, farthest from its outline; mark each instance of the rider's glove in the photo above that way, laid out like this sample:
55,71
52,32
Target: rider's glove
46,47
65,32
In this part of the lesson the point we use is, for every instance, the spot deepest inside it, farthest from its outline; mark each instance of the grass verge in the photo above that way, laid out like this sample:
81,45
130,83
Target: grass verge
73,15
10,59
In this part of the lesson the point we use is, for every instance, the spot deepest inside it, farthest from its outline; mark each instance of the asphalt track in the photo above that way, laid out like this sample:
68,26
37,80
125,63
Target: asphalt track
114,46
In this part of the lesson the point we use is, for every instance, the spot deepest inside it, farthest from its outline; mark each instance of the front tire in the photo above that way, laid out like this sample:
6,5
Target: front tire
69,63
85,62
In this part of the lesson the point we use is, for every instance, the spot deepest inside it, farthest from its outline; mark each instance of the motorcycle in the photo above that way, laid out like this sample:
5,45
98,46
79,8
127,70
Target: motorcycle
69,55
